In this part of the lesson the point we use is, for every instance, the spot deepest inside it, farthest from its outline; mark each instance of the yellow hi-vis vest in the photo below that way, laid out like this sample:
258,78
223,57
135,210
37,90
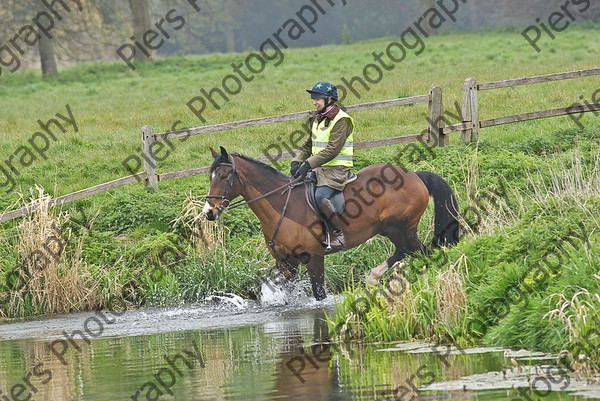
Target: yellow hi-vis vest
320,138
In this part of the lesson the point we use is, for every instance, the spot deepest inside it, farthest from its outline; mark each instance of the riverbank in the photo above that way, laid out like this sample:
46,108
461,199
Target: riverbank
525,274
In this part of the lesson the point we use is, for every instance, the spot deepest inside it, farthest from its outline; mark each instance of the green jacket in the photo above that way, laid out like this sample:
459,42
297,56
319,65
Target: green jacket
331,176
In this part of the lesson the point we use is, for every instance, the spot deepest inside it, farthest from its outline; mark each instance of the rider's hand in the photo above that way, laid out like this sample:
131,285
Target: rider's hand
303,170
294,167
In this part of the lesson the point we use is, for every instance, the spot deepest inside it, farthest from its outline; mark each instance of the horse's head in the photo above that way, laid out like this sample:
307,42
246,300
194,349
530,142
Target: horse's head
225,184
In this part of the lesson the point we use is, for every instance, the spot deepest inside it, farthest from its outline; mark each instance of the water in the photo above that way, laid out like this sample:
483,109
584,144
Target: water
237,349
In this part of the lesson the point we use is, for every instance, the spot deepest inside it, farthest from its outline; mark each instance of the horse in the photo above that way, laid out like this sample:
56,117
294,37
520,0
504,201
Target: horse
384,199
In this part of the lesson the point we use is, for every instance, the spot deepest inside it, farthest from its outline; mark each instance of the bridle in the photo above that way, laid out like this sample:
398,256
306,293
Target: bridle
288,188
242,202
223,197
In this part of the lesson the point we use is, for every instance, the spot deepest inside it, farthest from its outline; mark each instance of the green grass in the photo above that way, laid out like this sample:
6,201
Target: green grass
112,103
530,276
134,228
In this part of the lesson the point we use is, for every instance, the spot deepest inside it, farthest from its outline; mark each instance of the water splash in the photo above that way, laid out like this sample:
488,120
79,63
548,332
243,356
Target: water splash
272,294
229,299
277,291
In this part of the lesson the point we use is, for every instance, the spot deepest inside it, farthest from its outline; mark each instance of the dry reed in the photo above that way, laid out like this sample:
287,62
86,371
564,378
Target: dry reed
451,297
205,236
53,276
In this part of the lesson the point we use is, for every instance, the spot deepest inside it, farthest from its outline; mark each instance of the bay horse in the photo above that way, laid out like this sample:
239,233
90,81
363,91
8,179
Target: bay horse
384,199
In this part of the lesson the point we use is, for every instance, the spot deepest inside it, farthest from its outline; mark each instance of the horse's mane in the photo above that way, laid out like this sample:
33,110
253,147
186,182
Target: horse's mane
220,160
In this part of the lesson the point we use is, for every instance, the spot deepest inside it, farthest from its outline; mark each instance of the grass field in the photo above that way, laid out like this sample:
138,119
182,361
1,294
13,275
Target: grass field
111,103
134,247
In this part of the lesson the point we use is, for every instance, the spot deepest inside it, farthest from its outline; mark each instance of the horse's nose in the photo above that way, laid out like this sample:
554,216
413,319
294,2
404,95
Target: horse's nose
210,215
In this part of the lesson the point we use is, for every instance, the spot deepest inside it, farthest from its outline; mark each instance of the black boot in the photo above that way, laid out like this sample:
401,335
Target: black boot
337,241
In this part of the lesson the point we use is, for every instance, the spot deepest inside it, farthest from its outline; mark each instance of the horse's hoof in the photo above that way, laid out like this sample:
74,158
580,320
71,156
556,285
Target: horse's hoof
372,280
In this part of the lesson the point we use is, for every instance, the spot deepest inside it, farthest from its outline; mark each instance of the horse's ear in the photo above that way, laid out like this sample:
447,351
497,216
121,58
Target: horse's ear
214,152
224,153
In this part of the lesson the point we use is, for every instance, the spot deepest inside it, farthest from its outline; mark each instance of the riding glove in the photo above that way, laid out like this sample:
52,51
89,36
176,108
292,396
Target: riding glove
303,170
294,167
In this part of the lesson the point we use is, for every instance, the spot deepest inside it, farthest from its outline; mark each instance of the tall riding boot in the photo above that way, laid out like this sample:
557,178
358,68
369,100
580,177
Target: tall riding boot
337,236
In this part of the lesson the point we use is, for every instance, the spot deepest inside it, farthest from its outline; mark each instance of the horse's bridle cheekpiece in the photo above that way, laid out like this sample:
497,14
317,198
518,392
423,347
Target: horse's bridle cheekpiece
223,197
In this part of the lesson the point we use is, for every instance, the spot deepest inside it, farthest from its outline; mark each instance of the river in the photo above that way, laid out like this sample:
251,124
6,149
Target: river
233,349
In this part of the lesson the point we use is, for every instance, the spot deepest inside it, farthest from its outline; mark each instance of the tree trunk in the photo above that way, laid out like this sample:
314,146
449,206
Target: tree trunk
473,16
427,4
230,40
47,58
141,23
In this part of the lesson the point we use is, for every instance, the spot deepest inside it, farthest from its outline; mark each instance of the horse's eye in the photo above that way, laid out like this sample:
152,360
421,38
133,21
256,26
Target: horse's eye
223,176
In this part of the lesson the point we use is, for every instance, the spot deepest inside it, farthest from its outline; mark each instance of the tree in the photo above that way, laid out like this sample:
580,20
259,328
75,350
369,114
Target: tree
473,16
140,16
427,4
47,57
53,30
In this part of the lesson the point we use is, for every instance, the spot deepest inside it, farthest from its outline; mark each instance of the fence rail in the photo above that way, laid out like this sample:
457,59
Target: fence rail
564,111
470,108
83,193
538,79
436,131
149,138
285,117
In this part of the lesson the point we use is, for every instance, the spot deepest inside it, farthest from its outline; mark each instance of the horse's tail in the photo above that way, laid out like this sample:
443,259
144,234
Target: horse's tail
446,210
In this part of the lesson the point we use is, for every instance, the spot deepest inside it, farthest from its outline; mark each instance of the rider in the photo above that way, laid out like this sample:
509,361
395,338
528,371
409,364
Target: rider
329,152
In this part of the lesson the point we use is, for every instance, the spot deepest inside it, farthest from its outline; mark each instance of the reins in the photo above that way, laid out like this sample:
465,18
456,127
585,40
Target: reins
242,202
287,199
289,185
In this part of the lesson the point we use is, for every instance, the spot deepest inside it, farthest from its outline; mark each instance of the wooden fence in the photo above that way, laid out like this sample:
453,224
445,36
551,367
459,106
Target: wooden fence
437,132
434,133
470,106
149,139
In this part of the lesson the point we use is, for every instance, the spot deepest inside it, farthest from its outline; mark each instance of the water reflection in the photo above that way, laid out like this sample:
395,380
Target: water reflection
287,355
305,369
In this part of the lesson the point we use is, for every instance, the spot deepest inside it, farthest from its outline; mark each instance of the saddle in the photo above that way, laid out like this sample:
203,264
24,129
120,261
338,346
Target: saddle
338,200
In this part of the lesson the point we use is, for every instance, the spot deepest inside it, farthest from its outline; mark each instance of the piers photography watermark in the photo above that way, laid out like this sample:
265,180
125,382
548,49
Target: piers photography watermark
154,39
30,34
255,62
40,375
558,21
35,148
165,378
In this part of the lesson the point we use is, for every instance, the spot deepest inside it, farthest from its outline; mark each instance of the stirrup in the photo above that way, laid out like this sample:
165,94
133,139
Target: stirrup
329,248
327,243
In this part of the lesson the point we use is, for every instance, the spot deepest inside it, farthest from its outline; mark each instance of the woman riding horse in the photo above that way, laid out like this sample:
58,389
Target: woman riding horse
382,199
328,150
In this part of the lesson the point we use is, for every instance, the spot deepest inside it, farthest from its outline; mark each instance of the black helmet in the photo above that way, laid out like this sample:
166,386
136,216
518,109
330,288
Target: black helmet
323,90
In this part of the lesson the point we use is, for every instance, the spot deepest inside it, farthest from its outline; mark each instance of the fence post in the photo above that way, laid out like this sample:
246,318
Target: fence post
149,156
436,118
470,111
465,135
475,112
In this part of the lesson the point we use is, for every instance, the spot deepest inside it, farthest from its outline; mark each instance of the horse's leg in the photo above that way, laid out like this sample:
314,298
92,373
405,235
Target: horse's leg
288,268
316,272
406,241
381,268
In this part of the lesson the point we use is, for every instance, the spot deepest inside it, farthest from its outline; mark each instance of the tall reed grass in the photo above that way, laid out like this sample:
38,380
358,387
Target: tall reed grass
580,315
204,235
52,274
